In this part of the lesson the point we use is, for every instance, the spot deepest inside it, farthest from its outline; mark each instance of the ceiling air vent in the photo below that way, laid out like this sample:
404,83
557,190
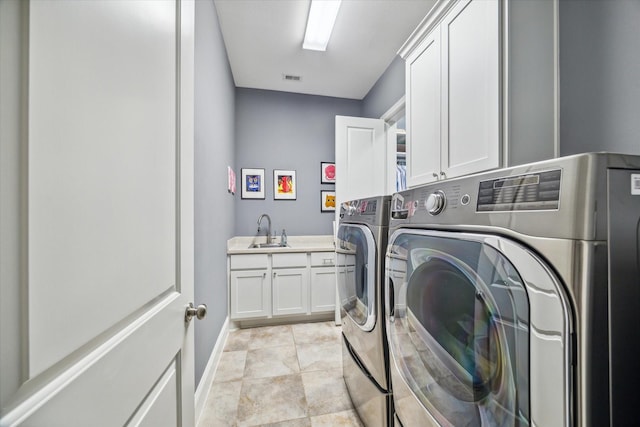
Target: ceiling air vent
291,78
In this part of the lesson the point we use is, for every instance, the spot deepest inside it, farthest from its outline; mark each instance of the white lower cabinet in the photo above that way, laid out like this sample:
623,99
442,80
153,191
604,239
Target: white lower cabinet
281,284
323,289
250,286
290,288
323,281
250,294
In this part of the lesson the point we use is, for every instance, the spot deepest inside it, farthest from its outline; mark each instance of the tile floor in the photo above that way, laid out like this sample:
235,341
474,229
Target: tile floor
281,376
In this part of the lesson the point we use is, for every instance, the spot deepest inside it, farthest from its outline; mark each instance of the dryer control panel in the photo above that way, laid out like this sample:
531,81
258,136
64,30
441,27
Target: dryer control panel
532,191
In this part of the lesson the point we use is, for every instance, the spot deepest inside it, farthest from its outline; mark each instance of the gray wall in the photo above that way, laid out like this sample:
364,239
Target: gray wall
532,98
214,214
278,130
599,69
386,92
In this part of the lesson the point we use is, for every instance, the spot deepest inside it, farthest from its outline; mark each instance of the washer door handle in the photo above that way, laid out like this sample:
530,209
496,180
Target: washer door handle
391,301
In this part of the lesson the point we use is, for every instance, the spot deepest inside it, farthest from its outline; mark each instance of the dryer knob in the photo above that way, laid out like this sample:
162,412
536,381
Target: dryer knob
435,202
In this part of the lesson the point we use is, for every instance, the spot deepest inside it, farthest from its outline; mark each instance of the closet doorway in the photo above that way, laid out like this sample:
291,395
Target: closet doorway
395,125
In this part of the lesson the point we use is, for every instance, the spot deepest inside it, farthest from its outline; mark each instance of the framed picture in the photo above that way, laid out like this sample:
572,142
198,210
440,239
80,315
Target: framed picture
231,180
327,201
252,184
284,185
327,173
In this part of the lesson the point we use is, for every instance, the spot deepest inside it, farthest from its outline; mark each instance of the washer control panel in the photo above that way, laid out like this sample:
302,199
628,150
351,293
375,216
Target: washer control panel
532,191
359,207
373,211
460,200
435,202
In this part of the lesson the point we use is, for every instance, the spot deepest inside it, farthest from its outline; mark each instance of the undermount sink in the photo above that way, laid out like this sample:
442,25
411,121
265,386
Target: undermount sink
267,245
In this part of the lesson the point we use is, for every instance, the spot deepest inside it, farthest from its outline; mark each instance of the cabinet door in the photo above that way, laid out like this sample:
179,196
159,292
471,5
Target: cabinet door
290,288
423,111
470,82
250,294
323,289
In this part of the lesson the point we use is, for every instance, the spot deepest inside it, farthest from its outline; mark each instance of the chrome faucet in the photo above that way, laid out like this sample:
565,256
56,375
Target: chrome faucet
268,226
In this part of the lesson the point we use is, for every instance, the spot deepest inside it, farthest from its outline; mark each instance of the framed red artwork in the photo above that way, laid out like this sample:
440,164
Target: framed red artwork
327,173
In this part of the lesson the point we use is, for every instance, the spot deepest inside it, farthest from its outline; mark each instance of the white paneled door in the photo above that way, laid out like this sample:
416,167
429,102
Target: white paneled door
103,252
362,165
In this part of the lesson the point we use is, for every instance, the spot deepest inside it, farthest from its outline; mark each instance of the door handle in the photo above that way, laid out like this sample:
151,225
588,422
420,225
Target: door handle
391,301
200,312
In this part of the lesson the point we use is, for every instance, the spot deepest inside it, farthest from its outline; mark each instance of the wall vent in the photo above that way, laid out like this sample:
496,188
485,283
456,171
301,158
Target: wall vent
291,78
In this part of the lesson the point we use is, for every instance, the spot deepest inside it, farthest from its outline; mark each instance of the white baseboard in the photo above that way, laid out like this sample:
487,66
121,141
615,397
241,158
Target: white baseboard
202,392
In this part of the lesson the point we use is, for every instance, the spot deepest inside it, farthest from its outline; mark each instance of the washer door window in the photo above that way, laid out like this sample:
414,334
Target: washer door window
355,257
458,329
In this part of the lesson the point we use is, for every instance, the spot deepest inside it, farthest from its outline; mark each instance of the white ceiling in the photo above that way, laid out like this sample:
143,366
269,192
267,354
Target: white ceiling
264,42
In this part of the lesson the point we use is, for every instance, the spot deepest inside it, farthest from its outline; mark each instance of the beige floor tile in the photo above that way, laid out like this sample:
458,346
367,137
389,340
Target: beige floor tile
271,362
231,366
280,376
314,333
326,392
238,340
271,400
300,422
270,336
341,419
321,356
222,405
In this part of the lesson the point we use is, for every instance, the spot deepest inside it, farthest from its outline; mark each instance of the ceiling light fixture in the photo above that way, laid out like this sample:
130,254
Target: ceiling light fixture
322,17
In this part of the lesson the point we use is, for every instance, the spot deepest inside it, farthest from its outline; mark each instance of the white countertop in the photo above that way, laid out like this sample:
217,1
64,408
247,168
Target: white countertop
240,244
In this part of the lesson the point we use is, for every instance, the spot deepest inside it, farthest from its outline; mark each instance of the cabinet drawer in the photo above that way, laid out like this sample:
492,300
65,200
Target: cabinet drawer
289,260
249,262
323,259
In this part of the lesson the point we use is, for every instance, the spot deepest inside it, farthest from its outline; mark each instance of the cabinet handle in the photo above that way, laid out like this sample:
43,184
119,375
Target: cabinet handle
274,274
435,175
264,275
444,175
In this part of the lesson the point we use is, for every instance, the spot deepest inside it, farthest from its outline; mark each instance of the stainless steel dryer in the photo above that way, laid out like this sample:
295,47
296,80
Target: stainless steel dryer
360,246
514,296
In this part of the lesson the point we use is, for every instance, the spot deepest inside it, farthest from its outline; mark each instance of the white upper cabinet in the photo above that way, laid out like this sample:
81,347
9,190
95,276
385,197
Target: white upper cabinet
470,88
475,82
423,103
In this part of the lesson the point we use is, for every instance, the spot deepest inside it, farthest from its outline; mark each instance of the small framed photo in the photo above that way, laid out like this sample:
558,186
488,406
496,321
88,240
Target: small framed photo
231,180
327,201
252,184
284,185
327,173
